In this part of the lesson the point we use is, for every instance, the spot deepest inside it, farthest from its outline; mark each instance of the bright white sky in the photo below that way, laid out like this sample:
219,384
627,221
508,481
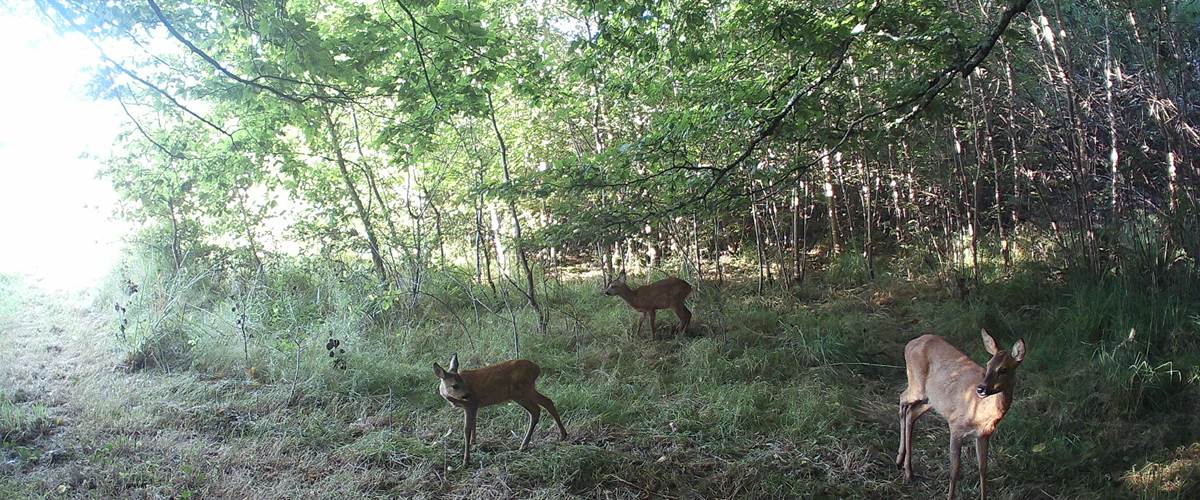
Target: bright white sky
55,215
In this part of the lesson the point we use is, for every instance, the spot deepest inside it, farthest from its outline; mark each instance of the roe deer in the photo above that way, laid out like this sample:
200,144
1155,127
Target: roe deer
647,299
492,385
973,399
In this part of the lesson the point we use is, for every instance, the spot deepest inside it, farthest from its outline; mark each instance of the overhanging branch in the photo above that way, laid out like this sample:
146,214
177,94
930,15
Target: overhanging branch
964,68
252,82
917,102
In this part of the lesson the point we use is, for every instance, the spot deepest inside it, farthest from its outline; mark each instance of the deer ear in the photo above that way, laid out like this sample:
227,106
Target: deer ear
437,370
1018,350
989,343
454,363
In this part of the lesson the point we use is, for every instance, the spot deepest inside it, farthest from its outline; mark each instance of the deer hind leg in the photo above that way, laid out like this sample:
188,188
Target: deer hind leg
685,317
534,415
546,403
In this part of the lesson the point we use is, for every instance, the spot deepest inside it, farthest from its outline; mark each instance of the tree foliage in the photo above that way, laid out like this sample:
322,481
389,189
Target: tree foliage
426,134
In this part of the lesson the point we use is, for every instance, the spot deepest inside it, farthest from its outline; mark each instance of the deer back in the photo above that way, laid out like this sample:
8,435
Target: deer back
661,294
501,382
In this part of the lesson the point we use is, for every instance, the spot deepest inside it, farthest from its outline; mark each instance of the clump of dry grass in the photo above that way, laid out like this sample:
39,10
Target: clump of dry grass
1177,475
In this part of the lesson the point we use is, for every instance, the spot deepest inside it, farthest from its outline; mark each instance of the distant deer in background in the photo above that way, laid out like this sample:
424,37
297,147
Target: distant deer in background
492,385
973,399
667,293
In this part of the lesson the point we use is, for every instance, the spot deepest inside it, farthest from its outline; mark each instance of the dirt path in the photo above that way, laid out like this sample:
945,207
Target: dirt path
41,367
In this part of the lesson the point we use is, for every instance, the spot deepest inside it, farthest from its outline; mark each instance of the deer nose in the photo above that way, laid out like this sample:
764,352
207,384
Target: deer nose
981,390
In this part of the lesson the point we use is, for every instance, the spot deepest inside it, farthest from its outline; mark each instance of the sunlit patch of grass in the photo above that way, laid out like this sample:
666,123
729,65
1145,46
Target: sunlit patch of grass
11,488
1178,476
577,468
21,421
847,269
10,296
391,448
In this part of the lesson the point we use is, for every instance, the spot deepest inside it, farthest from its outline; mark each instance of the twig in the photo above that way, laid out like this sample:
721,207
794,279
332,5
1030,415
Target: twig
643,490
852,363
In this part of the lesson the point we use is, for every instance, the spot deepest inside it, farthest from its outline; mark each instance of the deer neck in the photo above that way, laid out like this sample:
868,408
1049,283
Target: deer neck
991,410
629,296
459,403
470,378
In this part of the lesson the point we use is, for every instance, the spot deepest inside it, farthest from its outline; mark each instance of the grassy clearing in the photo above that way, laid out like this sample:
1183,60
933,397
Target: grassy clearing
781,394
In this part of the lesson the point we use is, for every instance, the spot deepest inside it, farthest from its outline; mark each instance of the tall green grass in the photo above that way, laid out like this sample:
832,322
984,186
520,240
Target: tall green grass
814,370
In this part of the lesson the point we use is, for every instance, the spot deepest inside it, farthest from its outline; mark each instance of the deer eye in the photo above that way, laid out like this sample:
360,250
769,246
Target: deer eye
1002,371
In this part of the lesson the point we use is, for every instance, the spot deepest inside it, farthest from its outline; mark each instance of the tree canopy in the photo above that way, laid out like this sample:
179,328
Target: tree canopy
453,133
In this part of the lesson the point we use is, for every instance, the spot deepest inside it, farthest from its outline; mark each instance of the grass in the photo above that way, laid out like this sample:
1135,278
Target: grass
785,394
21,423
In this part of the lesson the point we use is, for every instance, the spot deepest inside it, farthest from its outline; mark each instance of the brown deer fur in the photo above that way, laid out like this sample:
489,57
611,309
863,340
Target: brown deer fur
973,399
667,293
492,385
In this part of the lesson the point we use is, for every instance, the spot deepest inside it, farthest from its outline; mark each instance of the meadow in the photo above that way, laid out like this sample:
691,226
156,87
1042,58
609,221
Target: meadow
787,393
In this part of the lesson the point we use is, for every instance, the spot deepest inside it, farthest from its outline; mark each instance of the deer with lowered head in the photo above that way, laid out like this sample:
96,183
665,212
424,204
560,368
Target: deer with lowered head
666,293
972,398
492,385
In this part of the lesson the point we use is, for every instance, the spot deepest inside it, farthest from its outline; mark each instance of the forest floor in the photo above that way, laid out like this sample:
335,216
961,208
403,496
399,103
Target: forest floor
76,424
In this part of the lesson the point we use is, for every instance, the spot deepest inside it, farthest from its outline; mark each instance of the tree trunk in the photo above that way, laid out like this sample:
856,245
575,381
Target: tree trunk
372,241
758,241
831,203
512,206
176,253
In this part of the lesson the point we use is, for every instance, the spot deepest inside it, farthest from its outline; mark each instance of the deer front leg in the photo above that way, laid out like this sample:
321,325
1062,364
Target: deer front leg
955,455
685,318
468,434
907,437
474,428
641,319
653,323
914,411
903,412
981,449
